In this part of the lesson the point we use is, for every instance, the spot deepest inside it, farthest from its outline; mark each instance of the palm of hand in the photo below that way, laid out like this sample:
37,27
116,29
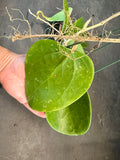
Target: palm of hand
13,81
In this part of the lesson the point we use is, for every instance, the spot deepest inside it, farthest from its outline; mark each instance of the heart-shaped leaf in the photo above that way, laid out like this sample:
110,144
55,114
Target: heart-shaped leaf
54,79
72,120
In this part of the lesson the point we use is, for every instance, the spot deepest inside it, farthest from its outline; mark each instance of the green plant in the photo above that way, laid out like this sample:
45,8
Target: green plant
57,79
59,73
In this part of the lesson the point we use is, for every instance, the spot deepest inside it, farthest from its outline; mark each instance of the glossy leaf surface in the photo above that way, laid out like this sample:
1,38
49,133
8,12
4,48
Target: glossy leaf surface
53,80
72,120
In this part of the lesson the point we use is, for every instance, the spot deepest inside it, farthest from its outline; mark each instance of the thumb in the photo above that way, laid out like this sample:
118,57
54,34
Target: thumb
39,114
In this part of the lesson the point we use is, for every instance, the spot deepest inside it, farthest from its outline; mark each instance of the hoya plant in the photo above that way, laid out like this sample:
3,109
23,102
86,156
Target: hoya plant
58,72
58,78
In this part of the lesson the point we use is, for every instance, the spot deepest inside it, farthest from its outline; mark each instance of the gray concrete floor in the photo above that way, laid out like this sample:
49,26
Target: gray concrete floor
24,136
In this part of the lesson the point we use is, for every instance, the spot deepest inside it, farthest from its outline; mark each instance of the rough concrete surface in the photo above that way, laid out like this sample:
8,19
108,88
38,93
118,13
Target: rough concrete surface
24,136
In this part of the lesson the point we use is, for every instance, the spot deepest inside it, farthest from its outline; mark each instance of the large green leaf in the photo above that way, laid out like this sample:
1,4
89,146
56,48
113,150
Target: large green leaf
72,120
53,80
60,16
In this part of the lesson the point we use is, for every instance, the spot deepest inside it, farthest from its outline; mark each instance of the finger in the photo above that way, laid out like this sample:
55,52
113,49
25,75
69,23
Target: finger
39,114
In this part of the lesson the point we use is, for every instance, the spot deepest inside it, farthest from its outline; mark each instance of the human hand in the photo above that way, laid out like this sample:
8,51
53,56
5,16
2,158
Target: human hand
12,78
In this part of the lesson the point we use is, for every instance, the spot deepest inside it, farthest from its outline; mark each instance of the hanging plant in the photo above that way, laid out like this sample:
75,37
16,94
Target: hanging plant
58,73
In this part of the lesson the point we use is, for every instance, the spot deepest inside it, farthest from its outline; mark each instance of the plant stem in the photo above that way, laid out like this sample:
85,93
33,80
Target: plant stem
77,38
99,24
37,17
